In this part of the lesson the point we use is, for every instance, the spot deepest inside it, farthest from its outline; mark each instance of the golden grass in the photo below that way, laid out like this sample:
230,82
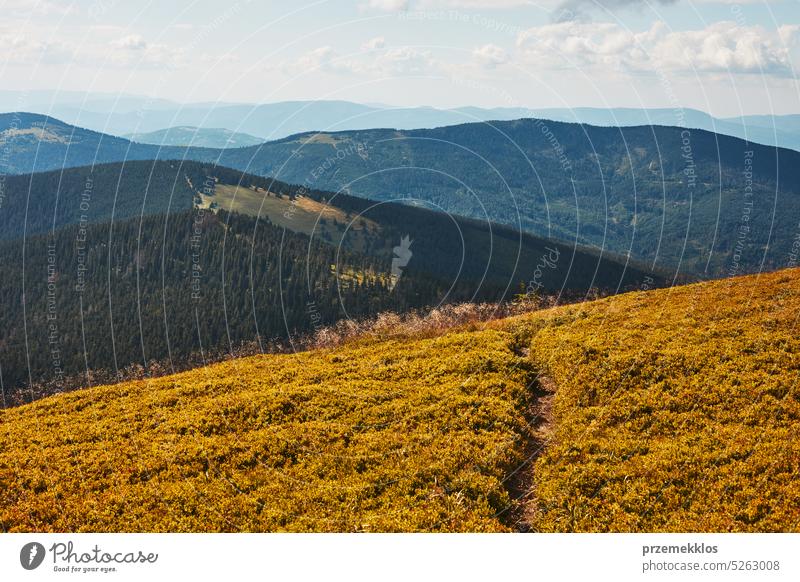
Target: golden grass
38,133
320,138
675,410
371,438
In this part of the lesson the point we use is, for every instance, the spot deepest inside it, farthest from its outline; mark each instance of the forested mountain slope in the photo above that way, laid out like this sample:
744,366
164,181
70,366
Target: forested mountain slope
172,290
156,263
711,204
166,291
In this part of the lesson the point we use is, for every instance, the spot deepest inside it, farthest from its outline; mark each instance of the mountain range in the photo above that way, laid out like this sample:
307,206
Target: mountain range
126,115
354,267
690,201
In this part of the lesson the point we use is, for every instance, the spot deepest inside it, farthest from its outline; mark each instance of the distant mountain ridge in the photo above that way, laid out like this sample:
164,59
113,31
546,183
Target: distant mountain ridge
687,200
196,136
34,142
778,130
127,115
713,204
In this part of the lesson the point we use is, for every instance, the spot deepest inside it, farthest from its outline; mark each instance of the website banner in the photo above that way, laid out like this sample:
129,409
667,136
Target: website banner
617,557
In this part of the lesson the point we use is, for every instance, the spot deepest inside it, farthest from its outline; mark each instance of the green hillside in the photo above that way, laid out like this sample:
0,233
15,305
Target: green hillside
116,254
443,245
39,143
171,291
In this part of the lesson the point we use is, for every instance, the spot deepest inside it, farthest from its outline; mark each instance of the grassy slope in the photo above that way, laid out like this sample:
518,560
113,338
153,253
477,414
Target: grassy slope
359,439
676,410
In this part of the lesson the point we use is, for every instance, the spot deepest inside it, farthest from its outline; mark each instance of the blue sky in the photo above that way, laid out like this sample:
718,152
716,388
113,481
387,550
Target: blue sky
722,57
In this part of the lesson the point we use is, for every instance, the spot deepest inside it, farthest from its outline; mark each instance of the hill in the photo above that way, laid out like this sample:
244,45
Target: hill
444,245
771,130
165,292
692,202
43,202
674,410
197,137
164,265
38,143
653,428
780,125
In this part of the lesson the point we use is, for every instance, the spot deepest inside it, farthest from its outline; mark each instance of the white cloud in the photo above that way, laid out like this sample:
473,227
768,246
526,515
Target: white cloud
720,47
128,50
17,49
133,50
789,34
405,61
324,59
476,4
392,62
31,7
403,5
316,59
737,1
574,9
491,55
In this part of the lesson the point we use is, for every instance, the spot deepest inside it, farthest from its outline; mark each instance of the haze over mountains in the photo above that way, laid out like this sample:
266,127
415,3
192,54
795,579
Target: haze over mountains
127,114
37,143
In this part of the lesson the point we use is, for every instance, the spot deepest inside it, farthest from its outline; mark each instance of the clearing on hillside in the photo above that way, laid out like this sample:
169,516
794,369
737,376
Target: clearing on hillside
303,214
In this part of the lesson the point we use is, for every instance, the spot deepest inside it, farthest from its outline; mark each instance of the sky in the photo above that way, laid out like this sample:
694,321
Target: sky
719,56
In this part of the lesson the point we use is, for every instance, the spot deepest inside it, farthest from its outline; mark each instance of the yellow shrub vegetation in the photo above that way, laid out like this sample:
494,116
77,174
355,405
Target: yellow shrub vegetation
676,410
395,436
